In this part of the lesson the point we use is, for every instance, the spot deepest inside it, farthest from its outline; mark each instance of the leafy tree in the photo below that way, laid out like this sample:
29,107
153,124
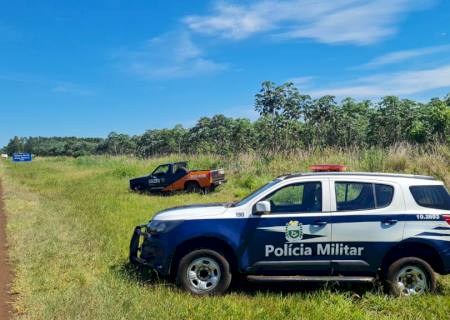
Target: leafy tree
321,120
392,121
164,141
279,107
117,144
352,123
15,145
243,136
437,119
212,135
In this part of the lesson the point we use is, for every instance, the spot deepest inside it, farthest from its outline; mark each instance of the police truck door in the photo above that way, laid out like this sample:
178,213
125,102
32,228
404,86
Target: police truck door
286,239
366,223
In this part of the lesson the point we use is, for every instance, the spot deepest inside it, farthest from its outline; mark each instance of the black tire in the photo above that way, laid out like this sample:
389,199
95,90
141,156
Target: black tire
192,186
407,272
193,285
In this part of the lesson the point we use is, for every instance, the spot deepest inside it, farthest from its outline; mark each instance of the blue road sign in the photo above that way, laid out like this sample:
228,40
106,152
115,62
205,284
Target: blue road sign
21,157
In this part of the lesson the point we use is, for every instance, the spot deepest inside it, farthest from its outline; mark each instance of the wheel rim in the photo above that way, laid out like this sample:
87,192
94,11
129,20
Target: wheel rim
204,274
411,280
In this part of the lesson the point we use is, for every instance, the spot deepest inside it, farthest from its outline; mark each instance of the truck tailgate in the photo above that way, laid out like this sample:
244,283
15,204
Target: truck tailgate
218,175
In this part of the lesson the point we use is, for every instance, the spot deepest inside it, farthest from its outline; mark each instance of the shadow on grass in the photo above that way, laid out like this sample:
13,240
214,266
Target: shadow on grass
356,289
241,285
137,273
161,194
151,194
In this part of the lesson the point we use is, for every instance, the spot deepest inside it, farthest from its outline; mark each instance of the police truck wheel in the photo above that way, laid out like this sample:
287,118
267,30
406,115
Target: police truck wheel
410,276
204,272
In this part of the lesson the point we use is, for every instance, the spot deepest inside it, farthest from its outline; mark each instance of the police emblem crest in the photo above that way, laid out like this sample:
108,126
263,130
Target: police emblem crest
294,231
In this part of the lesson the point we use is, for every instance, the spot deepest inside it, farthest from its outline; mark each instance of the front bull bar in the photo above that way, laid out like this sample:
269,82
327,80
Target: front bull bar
135,247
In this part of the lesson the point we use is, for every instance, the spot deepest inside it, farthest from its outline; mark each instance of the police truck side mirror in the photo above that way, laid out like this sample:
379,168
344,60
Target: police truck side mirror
262,207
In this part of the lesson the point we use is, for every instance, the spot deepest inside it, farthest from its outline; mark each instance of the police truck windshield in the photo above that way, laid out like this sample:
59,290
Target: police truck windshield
257,192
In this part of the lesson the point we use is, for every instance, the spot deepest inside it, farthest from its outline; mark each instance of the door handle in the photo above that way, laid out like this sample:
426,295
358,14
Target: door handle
390,221
319,223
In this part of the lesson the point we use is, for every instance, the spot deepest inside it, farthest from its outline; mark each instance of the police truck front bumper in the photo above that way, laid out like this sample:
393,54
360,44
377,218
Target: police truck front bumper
147,250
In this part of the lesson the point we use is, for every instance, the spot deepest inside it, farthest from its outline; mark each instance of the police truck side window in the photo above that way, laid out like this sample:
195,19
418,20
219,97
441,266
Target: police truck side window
354,196
384,195
362,196
297,198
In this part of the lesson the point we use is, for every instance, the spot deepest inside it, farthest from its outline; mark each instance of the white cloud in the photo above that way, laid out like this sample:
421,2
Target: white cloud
401,56
398,83
172,55
339,21
302,82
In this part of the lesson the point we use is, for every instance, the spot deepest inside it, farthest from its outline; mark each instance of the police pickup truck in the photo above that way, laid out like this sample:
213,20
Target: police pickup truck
317,226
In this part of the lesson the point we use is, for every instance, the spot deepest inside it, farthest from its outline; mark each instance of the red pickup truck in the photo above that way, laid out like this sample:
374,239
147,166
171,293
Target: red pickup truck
175,176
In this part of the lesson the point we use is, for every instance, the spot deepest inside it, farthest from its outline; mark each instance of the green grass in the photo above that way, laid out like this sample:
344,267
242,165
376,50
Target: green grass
70,221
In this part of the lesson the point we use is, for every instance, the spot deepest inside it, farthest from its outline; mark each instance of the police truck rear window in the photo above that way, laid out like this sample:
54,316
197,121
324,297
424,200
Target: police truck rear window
435,197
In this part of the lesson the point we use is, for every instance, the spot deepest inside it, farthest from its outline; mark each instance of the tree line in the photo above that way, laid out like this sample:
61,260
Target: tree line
288,120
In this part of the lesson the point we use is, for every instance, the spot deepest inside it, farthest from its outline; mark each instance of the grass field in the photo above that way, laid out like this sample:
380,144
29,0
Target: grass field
70,221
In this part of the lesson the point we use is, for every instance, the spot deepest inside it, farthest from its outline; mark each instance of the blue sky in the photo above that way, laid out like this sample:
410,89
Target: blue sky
87,68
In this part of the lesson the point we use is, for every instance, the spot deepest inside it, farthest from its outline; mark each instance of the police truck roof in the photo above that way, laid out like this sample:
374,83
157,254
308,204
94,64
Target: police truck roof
368,174
340,170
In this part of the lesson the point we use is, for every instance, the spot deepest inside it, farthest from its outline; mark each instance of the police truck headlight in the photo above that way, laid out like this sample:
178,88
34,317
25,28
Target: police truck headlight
158,226
155,227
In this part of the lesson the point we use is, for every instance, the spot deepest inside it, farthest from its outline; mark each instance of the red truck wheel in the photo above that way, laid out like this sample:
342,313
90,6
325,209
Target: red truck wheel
192,186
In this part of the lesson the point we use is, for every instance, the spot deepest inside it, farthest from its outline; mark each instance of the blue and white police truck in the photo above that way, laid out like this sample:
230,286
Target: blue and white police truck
331,226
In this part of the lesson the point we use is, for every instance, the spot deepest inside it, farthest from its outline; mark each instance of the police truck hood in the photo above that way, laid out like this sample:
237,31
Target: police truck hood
194,211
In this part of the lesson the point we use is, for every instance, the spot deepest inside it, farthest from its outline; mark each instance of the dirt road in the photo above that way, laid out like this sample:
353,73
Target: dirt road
5,270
